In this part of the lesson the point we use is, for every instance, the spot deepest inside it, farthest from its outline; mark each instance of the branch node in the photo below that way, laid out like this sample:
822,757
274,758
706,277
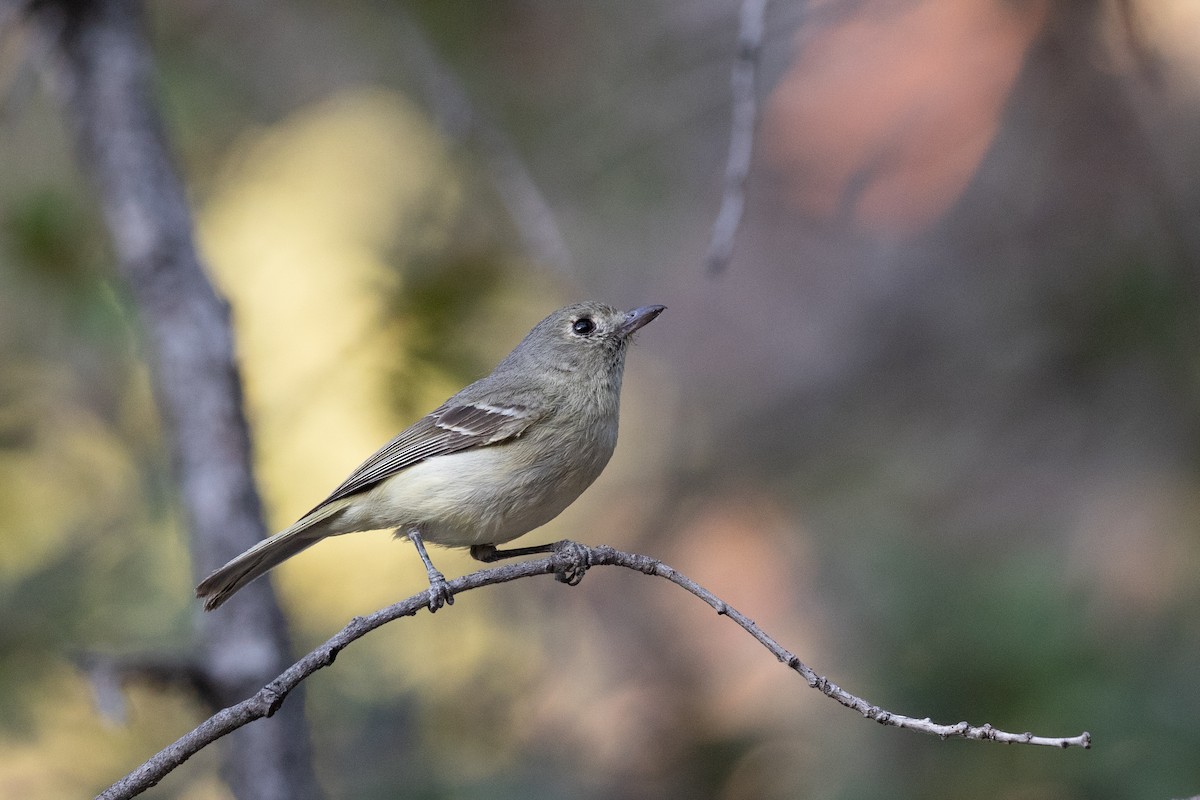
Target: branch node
272,697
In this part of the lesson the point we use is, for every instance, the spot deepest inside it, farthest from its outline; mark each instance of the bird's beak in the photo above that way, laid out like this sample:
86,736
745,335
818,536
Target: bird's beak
639,317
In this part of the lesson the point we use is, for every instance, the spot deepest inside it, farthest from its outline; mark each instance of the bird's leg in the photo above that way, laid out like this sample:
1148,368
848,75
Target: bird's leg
439,590
572,557
487,553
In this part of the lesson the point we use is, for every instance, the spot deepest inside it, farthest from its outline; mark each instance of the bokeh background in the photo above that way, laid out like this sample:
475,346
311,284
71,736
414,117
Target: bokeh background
936,427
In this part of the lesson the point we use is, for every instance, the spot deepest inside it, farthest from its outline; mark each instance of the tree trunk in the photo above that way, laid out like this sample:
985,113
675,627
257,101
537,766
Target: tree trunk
106,74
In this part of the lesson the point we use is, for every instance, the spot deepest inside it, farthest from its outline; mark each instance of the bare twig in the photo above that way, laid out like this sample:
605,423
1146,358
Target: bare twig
462,122
741,139
569,562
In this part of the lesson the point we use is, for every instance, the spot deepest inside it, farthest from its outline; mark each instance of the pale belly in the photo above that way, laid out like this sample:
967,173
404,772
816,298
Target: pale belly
482,496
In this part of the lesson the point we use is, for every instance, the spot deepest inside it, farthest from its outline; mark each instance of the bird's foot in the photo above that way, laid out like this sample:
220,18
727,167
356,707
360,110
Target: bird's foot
570,562
439,592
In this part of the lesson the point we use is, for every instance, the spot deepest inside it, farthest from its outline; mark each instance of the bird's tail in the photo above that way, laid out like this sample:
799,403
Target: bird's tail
269,553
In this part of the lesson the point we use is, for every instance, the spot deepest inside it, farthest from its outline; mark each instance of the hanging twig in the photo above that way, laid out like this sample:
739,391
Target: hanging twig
741,138
569,562
463,123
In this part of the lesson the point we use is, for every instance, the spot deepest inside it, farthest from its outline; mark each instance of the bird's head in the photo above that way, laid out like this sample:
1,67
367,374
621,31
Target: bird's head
587,339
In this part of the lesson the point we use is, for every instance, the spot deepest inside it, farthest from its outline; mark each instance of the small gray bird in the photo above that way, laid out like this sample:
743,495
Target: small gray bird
503,456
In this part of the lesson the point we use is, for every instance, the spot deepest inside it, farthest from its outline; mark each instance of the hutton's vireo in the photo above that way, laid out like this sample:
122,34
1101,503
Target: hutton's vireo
503,456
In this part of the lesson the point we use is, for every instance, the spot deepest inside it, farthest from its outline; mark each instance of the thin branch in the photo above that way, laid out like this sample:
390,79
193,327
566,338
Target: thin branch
462,122
741,139
568,563
108,675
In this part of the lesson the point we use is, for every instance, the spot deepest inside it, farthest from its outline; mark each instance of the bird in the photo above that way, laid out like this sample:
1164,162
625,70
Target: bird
503,456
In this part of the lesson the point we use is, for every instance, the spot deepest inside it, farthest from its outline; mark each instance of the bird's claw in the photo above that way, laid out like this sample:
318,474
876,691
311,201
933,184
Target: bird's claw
439,592
571,562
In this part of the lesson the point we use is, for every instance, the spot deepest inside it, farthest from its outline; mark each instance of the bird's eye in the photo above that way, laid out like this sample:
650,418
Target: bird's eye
583,326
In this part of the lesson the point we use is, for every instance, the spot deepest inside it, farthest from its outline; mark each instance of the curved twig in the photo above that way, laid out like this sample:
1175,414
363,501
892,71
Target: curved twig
568,562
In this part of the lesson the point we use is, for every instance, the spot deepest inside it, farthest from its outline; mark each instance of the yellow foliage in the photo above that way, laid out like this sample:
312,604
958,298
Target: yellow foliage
68,750
74,477
298,232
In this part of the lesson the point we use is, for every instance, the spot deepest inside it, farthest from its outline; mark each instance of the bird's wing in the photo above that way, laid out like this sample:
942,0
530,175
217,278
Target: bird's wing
449,429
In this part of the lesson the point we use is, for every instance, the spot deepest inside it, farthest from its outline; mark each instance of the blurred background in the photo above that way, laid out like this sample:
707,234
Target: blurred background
936,427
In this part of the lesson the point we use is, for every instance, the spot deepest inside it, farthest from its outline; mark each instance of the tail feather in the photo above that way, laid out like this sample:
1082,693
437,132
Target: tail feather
267,554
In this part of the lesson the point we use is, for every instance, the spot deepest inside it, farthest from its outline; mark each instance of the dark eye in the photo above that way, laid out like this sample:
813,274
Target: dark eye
583,326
